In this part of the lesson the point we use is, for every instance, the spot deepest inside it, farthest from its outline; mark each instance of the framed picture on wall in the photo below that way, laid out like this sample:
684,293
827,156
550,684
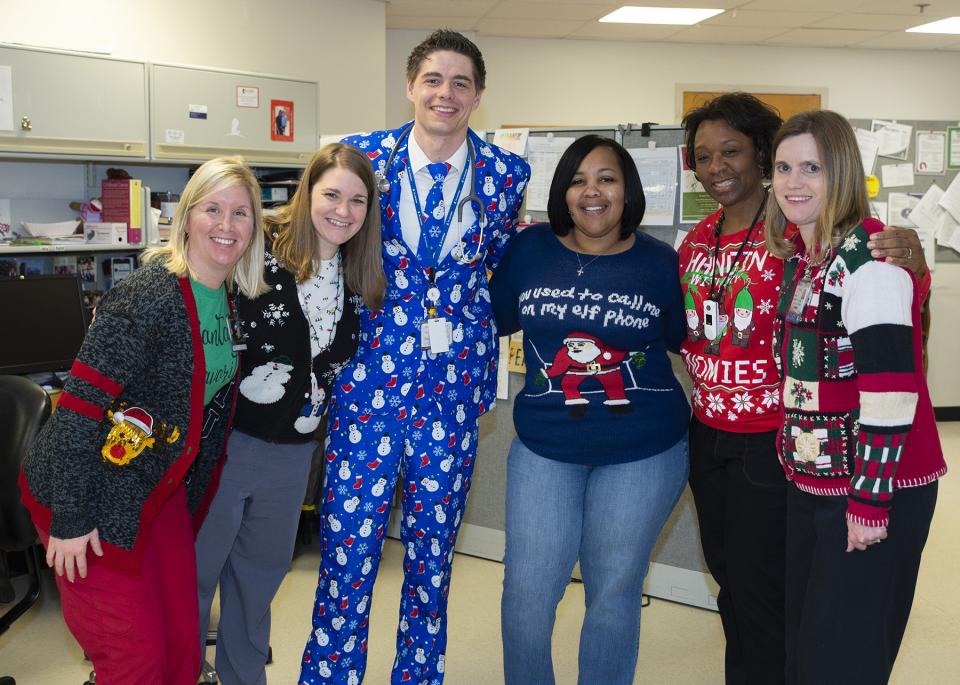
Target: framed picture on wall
281,120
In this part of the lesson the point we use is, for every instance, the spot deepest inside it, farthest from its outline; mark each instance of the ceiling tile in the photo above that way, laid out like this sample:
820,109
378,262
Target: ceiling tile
936,9
639,32
899,40
725,35
439,8
766,18
556,10
527,28
427,23
876,22
808,5
823,38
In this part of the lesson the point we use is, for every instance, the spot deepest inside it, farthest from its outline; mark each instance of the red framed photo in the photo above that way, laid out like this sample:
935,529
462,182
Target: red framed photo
281,120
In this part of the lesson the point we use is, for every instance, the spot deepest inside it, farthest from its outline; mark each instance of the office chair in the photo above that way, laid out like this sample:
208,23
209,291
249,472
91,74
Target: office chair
24,406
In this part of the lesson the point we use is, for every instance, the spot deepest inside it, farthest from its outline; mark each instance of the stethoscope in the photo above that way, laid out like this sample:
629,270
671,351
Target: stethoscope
383,185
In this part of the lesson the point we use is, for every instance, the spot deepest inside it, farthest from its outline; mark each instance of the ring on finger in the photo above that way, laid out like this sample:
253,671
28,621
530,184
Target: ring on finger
909,256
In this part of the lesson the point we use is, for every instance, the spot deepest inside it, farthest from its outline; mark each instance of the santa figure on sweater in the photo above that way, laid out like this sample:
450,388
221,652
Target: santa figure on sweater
585,356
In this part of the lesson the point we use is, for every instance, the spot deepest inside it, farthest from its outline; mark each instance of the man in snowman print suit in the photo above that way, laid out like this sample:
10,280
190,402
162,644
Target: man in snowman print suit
437,327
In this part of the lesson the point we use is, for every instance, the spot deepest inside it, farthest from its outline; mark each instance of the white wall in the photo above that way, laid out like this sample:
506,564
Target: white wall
589,83
586,83
339,43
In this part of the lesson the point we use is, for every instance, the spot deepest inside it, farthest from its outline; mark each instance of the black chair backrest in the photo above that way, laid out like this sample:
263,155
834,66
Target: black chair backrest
24,406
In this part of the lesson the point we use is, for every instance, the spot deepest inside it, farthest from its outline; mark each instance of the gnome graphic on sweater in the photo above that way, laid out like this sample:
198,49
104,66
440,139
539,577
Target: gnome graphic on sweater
583,357
743,324
694,327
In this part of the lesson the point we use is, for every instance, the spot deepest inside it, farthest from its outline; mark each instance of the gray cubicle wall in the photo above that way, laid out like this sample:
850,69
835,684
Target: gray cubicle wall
921,182
677,570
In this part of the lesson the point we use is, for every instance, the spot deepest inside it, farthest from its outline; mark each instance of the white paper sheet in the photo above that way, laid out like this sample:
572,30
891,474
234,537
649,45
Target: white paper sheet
658,173
951,198
543,155
926,215
899,207
869,144
953,146
894,138
6,98
879,210
931,151
948,232
512,139
896,175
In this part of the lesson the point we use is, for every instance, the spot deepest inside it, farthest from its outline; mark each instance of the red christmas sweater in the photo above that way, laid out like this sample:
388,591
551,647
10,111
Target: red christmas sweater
735,383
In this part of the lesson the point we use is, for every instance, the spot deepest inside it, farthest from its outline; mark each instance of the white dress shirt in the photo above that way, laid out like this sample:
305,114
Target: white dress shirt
409,223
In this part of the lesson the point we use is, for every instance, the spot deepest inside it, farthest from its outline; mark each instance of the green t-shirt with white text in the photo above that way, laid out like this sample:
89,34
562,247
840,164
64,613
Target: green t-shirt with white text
218,354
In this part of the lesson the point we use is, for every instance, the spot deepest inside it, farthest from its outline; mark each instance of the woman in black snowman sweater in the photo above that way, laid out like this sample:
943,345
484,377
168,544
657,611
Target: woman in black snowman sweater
322,261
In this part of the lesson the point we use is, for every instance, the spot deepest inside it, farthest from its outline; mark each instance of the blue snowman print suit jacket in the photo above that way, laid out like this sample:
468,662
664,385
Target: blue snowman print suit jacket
391,371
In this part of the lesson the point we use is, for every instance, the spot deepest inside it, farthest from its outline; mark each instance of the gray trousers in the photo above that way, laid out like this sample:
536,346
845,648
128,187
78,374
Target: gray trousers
246,544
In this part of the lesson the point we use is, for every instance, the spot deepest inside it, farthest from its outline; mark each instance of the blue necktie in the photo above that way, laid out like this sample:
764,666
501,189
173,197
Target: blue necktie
434,213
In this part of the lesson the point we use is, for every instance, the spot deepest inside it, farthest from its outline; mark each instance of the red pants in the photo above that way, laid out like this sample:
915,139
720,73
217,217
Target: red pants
141,629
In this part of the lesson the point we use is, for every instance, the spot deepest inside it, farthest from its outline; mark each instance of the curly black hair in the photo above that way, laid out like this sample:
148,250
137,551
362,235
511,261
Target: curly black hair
445,39
746,114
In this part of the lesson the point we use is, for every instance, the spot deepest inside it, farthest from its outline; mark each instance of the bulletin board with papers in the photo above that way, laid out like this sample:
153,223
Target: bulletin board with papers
915,163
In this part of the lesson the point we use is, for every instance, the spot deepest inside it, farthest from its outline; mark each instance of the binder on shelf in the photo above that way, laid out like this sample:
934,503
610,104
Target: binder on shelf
122,200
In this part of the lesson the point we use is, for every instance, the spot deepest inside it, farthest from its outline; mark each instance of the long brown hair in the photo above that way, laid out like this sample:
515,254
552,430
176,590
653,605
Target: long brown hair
296,244
845,205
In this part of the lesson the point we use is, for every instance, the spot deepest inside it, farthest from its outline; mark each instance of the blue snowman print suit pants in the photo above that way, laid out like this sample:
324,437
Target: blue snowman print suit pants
401,412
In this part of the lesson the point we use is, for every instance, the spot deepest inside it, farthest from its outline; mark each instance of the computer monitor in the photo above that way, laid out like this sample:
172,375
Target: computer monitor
43,320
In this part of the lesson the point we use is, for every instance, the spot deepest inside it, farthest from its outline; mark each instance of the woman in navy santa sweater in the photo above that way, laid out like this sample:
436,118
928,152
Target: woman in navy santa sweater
857,438
601,453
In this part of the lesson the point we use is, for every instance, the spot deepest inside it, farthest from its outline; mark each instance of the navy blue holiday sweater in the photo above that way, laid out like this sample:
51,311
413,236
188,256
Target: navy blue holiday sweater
599,385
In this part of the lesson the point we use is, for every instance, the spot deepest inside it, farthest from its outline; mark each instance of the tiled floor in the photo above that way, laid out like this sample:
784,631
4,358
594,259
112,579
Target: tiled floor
679,645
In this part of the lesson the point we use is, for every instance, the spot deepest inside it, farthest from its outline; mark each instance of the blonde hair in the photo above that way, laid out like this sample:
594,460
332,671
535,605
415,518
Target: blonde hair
296,245
212,177
845,205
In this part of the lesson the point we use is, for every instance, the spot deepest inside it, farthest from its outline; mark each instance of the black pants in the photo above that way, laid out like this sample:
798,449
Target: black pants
846,612
740,493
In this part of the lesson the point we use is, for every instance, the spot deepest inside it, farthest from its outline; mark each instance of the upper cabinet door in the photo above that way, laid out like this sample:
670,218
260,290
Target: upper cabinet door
198,114
66,104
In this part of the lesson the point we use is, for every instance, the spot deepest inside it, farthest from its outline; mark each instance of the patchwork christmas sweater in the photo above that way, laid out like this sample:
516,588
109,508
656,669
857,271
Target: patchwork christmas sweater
735,383
856,414
599,387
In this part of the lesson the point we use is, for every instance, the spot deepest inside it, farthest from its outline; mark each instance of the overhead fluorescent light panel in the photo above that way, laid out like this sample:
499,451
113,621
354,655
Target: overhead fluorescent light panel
948,25
684,16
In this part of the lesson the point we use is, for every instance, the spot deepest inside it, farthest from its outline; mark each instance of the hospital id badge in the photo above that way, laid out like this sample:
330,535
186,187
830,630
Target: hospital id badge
436,334
801,298
711,318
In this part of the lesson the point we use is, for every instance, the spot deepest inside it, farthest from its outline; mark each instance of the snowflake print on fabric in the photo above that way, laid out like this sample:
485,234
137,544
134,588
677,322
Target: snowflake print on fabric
800,394
271,262
797,353
742,402
850,243
766,306
276,314
267,347
828,306
715,403
768,275
771,398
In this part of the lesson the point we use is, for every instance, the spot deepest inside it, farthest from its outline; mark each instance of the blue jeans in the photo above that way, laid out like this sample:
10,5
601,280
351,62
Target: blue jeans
608,517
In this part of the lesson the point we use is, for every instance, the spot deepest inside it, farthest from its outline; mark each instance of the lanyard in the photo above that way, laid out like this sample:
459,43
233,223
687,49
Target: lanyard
736,260
432,245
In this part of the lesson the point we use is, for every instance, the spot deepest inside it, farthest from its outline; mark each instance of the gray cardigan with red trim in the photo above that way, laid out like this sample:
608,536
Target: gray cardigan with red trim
143,349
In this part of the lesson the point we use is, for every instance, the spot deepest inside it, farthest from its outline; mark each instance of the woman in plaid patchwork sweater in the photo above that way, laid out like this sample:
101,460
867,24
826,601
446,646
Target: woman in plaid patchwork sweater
857,428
